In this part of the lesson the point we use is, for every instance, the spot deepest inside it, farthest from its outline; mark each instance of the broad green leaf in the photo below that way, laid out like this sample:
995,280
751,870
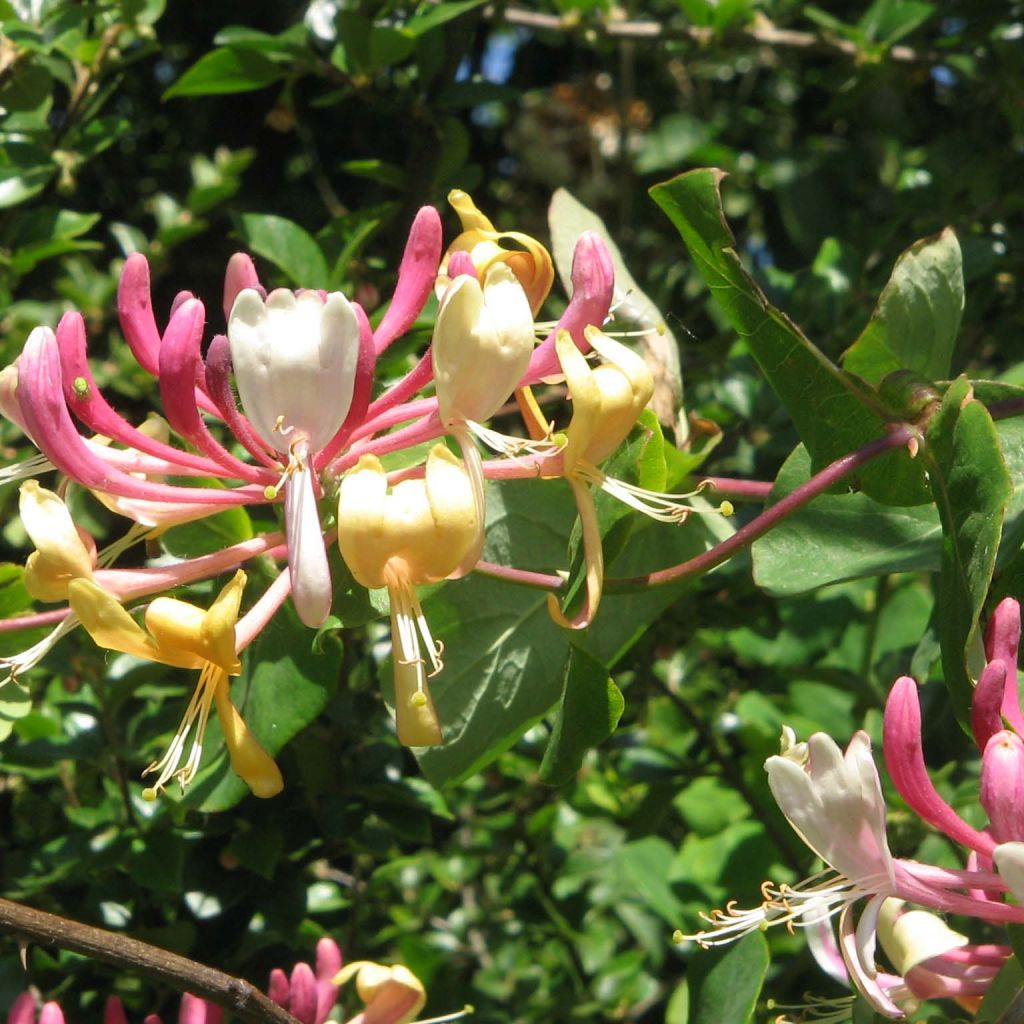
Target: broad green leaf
915,324
21,181
728,990
841,537
291,248
504,657
227,69
284,685
568,218
833,413
645,864
364,48
972,488
589,712
887,21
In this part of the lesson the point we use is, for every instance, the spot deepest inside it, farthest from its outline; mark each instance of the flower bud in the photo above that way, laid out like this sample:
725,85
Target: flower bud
1002,785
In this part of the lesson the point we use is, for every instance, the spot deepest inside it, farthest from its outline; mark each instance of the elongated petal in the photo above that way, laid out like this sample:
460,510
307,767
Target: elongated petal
835,804
86,401
23,1010
307,555
393,995
986,717
40,389
110,626
586,401
593,554
593,284
1002,785
302,998
250,762
862,973
416,275
362,390
482,343
240,274
328,963
1002,642
295,361
278,987
904,757
61,555
180,367
135,309
218,383
113,1011
51,1013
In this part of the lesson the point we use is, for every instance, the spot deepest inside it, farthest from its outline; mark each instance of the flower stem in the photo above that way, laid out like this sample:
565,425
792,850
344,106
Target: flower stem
746,535
235,994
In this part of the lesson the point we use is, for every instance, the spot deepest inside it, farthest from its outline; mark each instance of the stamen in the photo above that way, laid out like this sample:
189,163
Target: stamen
816,1009
280,428
506,444
446,1017
296,461
23,470
199,706
31,656
136,534
665,508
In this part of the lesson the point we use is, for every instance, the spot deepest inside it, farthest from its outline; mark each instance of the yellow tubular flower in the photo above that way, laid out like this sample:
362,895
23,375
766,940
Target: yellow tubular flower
63,552
393,995
180,634
607,400
532,263
419,533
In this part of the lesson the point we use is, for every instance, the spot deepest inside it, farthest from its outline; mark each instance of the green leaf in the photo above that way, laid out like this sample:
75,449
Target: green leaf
887,21
22,178
590,710
728,990
364,48
291,248
568,218
15,703
1003,996
840,537
972,487
915,324
832,412
646,864
227,69
284,685
439,14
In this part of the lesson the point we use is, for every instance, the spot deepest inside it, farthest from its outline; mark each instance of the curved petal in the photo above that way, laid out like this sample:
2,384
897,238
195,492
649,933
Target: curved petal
307,555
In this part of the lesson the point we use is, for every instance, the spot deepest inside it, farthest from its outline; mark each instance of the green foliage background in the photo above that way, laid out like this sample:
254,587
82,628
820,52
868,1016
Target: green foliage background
309,136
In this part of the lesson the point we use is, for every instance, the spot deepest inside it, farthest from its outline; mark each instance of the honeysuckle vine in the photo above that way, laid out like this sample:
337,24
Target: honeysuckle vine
281,409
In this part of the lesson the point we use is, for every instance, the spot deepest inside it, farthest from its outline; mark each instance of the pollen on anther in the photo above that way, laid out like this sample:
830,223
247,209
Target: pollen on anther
419,699
270,492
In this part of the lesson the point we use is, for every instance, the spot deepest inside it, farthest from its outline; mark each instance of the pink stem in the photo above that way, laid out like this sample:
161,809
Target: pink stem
754,490
34,620
251,624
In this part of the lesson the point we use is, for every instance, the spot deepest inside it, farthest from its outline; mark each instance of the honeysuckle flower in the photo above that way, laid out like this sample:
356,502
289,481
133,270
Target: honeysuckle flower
482,343
182,635
531,264
607,401
419,533
309,995
63,551
296,360
393,995
23,1011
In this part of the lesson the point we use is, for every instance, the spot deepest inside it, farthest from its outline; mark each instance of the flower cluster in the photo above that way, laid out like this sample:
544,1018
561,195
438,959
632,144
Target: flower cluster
391,995
834,802
282,409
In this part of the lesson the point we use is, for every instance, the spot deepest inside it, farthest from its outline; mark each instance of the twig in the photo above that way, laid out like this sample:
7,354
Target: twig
746,535
761,32
234,994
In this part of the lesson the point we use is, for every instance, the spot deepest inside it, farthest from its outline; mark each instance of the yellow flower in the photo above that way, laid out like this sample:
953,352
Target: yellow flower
63,552
393,995
180,634
607,401
532,263
419,533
